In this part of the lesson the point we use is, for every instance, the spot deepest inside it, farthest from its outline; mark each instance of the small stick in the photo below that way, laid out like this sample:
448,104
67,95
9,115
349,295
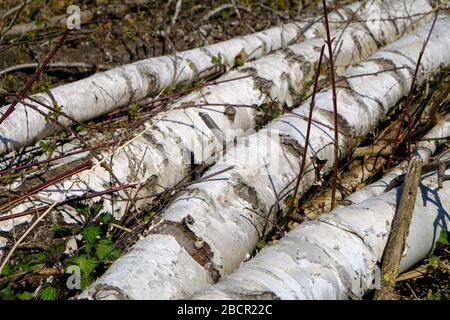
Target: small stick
336,129
308,129
399,231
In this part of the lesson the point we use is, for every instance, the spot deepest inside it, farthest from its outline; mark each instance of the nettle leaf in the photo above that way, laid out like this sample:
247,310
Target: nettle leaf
7,293
48,292
97,206
85,263
26,295
106,250
90,232
7,270
81,208
40,257
86,281
107,218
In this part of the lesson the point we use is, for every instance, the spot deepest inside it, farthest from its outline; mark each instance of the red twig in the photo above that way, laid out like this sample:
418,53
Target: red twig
406,113
37,163
85,165
336,129
85,197
308,129
21,95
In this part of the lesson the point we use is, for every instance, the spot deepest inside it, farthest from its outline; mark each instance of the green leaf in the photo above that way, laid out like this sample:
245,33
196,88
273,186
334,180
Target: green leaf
48,147
80,128
90,233
133,109
7,293
97,207
40,257
86,281
433,260
48,292
107,249
107,218
39,86
150,216
275,114
264,108
261,244
224,14
56,228
26,295
444,238
216,59
435,296
238,61
87,264
81,208
7,270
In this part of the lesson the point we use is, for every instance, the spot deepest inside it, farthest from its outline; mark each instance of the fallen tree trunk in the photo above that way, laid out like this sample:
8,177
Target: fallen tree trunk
102,92
338,255
215,224
156,158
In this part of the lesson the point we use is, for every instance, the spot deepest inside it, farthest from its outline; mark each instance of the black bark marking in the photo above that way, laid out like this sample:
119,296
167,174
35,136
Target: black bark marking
187,239
387,64
193,66
292,146
346,85
153,81
247,193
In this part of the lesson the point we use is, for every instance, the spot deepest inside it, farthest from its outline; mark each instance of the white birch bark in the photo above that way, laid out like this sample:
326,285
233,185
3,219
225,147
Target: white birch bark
338,256
230,212
157,159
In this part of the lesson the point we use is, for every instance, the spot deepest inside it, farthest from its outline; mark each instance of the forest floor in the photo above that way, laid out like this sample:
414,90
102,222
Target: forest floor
114,36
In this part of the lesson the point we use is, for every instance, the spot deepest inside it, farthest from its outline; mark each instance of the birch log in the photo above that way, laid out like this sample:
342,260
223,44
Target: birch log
338,255
102,92
222,219
160,156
